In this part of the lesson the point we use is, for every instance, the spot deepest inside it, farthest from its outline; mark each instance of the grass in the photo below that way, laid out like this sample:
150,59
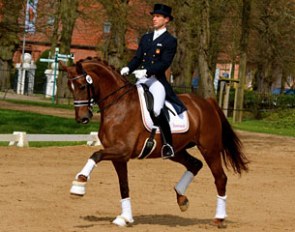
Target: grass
33,123
42,104
278,122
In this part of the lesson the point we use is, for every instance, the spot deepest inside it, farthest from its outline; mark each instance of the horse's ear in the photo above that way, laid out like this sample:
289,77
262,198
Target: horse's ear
79,68
63,65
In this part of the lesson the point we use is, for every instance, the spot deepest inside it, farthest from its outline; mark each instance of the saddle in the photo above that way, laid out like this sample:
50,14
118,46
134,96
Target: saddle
178,123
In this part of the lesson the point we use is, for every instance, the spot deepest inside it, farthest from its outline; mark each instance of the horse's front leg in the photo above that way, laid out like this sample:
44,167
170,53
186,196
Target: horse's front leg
119,160
125,217
79,184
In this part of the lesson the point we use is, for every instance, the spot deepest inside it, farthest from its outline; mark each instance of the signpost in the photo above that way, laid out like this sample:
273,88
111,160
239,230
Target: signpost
57,57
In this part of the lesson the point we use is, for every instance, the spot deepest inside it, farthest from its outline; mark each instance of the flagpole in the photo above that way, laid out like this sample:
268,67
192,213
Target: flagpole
23,49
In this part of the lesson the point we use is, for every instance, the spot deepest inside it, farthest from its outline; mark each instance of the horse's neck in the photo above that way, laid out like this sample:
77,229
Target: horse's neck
109,86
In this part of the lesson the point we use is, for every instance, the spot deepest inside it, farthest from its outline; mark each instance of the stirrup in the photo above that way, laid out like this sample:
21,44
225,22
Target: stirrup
148,147
167,146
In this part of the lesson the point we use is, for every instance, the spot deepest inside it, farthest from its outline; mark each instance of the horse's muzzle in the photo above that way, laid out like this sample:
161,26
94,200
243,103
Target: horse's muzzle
85,118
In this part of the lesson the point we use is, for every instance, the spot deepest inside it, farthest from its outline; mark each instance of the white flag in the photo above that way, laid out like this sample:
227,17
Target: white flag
31,15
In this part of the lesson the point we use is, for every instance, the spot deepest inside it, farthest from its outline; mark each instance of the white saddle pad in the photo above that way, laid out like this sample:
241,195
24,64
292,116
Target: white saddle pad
178,123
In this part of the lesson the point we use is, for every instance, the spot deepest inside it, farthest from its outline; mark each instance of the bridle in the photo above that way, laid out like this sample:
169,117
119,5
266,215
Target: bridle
90,88
91,98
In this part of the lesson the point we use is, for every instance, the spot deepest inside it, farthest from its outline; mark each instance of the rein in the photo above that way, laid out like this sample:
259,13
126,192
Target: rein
90,102
112,93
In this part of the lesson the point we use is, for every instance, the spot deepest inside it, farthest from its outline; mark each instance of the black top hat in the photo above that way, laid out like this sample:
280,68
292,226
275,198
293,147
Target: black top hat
163,10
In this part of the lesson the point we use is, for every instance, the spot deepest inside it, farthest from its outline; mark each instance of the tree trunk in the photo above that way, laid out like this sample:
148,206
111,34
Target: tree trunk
114,41
185,58
68,16
9,38
239,96
206,88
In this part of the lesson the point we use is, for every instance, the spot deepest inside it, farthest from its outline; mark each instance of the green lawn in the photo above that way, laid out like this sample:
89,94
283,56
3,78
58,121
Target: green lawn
41,103
278,122
33,123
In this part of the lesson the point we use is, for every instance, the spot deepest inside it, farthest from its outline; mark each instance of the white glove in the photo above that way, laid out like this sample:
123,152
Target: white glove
124,71
140,73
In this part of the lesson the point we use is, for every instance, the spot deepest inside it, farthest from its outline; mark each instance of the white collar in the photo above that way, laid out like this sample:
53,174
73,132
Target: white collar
157,33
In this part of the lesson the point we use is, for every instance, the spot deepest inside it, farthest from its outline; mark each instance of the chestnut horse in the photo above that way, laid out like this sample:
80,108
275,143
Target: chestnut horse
123,134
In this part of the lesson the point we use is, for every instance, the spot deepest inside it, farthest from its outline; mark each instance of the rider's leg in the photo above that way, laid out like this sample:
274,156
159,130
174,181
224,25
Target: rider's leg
167,149
158,91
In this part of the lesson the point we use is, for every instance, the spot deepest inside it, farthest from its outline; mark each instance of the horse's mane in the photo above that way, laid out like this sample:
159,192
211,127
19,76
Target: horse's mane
100,61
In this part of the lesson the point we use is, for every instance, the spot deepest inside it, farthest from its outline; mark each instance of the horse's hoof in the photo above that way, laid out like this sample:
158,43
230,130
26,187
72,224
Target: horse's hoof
122,221
219,223
78,188
182,202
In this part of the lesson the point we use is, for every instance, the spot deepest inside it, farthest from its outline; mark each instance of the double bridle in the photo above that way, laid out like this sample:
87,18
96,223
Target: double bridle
90,87
91,98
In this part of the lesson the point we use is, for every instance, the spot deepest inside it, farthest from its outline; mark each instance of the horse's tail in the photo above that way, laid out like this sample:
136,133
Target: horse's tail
232,145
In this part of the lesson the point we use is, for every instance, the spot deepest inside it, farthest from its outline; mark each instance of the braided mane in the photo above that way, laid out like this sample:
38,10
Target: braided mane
103,62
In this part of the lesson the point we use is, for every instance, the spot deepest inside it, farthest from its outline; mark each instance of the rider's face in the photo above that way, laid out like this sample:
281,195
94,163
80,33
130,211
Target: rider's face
159,21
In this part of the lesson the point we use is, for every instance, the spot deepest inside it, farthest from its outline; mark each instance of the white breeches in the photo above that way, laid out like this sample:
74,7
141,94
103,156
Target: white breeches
158,92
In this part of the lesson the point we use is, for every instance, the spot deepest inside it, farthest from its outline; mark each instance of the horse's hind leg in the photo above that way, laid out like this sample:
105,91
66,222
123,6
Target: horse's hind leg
193,166
213,159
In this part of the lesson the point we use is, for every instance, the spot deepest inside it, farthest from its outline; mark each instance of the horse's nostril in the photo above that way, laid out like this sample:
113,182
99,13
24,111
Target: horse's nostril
85,120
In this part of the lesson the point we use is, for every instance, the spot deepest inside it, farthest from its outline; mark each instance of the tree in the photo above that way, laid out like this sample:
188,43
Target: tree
239,95
115,47
272,47
67,12
206,81
185,60
9,40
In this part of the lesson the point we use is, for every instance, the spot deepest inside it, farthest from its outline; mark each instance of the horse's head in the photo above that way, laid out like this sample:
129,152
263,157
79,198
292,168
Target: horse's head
81,86
94,81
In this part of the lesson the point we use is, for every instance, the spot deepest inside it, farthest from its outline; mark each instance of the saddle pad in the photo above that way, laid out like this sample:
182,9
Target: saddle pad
178,123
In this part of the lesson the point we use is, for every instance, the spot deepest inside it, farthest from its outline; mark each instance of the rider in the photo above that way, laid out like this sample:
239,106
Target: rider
153,57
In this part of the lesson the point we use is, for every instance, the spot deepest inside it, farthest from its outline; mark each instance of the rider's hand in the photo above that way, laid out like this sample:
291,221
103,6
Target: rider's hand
140,73
124,71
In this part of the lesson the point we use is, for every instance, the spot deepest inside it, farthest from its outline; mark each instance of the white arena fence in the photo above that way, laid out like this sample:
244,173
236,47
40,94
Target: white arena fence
22,139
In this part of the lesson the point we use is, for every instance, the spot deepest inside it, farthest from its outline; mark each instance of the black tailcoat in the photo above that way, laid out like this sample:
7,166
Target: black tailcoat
156,57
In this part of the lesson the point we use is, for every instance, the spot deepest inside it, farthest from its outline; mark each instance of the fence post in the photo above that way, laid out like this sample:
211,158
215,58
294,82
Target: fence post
22,139
95,142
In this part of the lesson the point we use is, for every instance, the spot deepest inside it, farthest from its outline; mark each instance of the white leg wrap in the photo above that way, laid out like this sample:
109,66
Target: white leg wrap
184,182
78,188
87,169
126,216
221,207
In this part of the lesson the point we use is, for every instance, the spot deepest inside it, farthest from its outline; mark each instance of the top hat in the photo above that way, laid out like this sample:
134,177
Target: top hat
162,10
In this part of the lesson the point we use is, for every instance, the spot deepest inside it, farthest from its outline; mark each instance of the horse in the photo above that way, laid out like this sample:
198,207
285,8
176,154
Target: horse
94,81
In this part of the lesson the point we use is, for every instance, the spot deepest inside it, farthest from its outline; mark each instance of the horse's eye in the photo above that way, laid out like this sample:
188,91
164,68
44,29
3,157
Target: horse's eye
82,87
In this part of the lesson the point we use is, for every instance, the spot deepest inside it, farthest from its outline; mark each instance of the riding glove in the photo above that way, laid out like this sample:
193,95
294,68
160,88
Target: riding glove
141,73
124,71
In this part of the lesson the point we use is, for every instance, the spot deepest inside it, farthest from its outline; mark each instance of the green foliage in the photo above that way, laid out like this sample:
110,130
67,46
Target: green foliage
257,103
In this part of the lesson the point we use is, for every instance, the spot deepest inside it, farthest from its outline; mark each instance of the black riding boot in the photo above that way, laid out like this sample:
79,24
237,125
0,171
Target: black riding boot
167,149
